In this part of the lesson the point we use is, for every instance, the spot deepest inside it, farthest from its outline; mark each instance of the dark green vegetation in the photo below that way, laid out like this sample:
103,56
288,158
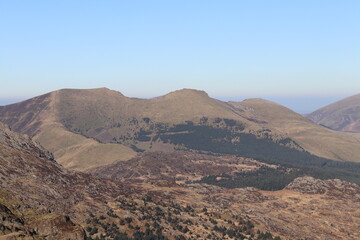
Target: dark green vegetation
264,178
274,179
155,219
224,140
227,136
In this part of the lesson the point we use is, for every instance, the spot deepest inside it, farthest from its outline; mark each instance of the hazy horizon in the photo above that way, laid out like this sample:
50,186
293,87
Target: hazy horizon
304,54
299,104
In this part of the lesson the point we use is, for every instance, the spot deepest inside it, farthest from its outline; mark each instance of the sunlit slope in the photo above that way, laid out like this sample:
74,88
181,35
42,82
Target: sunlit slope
94,127
343,115
39,118
94,108
314,138
78,152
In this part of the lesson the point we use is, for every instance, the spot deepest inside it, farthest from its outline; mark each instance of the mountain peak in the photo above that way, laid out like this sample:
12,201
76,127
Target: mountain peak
260,100
102,90
187,92
343,115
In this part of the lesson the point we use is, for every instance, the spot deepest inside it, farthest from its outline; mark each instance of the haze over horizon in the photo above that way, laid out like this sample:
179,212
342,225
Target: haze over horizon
302,105
303,55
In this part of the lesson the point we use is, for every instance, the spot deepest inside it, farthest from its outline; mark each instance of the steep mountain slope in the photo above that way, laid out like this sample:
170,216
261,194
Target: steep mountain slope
343,115
91,128
39,118
37,195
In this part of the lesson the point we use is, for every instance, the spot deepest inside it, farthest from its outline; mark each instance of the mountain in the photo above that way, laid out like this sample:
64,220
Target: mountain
40,118
90,128
343,115
317,140
39,199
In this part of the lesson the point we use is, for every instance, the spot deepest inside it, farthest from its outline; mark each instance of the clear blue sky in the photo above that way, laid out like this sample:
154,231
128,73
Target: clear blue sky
231,49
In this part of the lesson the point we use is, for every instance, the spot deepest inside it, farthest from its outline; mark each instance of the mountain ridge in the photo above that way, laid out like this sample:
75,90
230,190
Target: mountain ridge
100,126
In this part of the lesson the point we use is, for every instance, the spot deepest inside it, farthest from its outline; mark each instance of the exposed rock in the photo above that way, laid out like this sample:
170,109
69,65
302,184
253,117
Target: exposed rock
16,236
22,142
41,200
58,227
36,192
335,187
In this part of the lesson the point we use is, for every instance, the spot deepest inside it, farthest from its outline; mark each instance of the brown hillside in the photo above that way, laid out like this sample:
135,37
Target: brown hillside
39,199
39,118
315,139
343,115
79,125
37,195
306,207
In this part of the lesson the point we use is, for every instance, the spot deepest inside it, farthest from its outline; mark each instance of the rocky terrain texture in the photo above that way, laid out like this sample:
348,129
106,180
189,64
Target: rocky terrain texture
307,207
39,199
22,142
197,208
175,167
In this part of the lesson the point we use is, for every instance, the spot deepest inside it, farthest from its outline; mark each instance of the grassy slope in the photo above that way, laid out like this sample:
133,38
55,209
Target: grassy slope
78,152
94,111
97,107
71,150
318,140
176,107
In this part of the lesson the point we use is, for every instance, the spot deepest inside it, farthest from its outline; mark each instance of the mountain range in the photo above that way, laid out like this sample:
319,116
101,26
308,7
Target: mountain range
82,126
94,164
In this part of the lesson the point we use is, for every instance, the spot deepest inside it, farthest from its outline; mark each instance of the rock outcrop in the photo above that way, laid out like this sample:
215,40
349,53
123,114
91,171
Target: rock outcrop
334,187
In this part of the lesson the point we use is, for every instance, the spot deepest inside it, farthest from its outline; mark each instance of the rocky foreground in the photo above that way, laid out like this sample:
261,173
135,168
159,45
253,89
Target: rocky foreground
39,199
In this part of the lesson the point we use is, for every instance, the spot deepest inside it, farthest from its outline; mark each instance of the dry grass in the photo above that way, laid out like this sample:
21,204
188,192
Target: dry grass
80,153
94,111
318,140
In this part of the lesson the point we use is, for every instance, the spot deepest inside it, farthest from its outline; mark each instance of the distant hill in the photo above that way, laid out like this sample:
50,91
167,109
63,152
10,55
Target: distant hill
343,115
90,128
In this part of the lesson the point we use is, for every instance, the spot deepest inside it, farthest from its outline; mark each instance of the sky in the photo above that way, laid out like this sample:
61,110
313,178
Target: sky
302,54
